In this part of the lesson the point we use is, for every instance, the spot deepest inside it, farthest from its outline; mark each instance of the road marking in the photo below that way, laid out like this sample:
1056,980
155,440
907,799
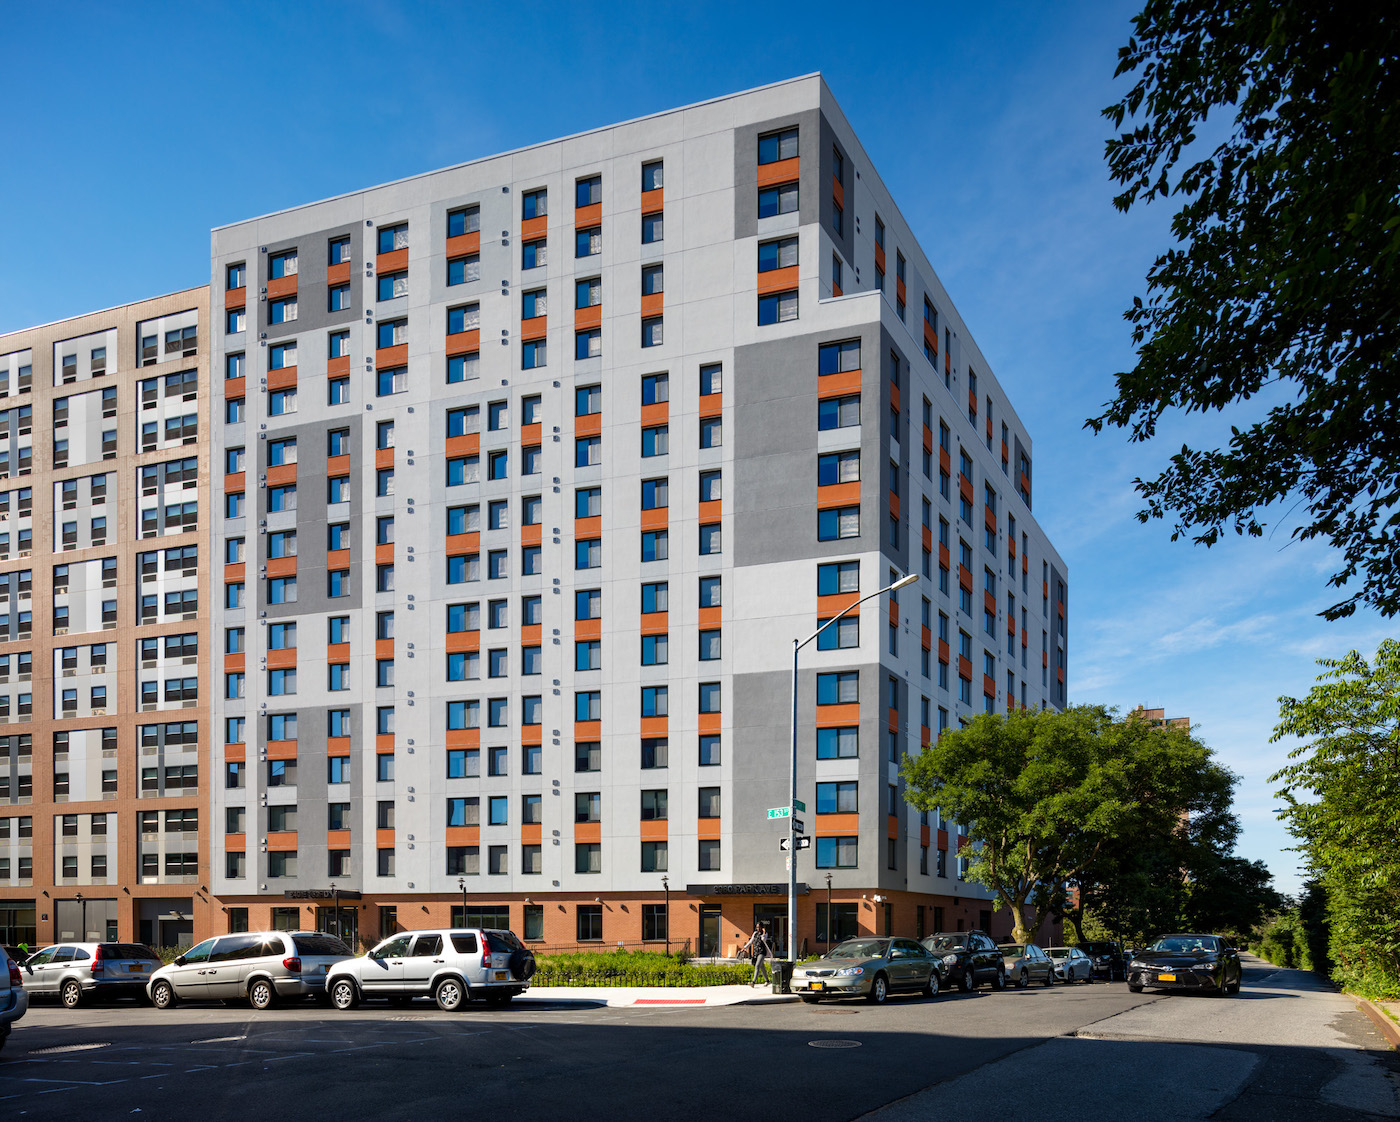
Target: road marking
833,1044
669,1001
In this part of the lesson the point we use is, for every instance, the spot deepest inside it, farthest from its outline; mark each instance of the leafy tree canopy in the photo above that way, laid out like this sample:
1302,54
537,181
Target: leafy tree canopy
1285,274
1055,799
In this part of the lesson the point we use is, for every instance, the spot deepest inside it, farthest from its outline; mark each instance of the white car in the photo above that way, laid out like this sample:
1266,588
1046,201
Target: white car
14,1002
451,965
1071,964
260,966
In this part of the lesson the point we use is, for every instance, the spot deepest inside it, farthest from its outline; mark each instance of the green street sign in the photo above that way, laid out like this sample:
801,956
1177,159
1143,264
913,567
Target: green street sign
799,804
780,812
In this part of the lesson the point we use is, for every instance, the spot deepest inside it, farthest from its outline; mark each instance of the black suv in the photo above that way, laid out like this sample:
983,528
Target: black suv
1108,960
967,958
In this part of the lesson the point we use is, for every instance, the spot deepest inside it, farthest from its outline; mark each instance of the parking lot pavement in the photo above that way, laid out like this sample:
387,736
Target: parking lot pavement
1287,1047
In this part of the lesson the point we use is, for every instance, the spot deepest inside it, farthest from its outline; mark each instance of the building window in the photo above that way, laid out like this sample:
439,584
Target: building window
590,921
780,199
777,307
532,354
588,242
653,228
393,285
655,441
779,254
837,853
838,522
653,331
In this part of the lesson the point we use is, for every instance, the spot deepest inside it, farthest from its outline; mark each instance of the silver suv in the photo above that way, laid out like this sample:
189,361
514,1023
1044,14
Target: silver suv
261,966
452,966
13,1000
74,972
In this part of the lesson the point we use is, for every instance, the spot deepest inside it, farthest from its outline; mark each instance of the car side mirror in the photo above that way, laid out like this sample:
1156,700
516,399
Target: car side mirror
179,960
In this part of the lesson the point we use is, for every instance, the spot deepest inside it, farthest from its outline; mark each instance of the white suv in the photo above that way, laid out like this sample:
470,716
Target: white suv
452,966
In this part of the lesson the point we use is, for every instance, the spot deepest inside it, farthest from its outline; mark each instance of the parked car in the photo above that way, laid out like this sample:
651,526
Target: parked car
452,966
872,968
1108,958
261,966
75,972
967,959
1204,963
1027,963
14,1002
1071,964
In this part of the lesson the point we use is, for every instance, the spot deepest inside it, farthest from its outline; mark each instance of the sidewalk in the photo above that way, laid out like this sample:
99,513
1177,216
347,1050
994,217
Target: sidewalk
616,997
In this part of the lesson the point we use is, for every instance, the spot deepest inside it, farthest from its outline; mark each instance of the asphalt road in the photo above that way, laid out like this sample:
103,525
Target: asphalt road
1280,1050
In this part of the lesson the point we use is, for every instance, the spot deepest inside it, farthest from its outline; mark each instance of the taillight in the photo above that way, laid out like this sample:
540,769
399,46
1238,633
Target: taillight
16,978
97,966
485,952
293,964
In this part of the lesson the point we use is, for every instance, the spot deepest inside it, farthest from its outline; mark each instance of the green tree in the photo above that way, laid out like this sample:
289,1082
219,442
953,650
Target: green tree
1343,805
1053,799
1276,126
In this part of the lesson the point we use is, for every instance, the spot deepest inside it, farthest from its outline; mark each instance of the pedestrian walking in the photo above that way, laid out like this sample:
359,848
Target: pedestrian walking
759,947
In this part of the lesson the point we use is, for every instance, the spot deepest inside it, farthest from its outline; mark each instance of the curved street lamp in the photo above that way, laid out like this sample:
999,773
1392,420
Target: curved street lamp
797,645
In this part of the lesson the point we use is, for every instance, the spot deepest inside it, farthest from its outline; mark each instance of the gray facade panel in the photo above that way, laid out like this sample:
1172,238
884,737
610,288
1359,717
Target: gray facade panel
809,148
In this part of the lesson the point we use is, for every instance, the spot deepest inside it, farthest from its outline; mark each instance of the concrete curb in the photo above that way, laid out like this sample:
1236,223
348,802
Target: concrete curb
1389,1029
679,997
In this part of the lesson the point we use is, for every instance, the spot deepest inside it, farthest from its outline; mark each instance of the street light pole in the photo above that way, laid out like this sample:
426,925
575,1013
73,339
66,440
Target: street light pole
335,905
829,927
797,645
82,904
462,884
666,885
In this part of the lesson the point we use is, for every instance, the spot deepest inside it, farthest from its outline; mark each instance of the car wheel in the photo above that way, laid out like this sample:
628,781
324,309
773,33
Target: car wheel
1049,978
344,994
879,990
810,998
449,995
261,995
967,982
162,995
71,994
1134,989
1024,980
999,981
931,986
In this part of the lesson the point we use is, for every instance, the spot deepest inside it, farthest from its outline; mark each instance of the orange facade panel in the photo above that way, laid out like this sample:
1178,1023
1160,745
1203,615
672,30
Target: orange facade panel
235,753
282,286
655,726
534,227
989,685
964,668
386,357
337,839
235,298
235,387
900,291
989,517
535,328
709,617
652,830
588,629
392,262
654,623
591,424
281,749
463,244
464,342
588,527
894,506
709,724
284,379
463,835
838,494
838,192
653,303
880,258
531,535
463,738
384,839
384,743
896,401
711,511
338,367
383,457
338,274
459,641
837,825
777,280
943,651
531,833
779,171
384,648
338,465
282,660
942,839
585,216
965,577
657,414
657,518
588,730
829,606
384,554
652,201
281,839
836,385
531,633
235,843
587,318
989,601
337,746
708,829
711,405
924,836
891,825
943,556
838,716
588,831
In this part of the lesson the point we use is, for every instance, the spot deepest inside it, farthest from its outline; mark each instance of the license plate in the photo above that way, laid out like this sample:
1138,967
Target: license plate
1166,977
134,968
502,975
818,985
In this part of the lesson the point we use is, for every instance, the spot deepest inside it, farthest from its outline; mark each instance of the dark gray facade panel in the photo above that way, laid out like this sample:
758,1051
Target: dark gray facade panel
809,147
826,197
313,300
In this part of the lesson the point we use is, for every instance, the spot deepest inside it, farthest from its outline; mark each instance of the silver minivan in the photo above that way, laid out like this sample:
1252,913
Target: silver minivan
75,972
259,966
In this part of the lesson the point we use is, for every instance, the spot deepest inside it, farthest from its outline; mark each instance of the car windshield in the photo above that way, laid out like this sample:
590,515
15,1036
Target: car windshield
1011,950
945,943
320,944
859,948
1185,944
507,938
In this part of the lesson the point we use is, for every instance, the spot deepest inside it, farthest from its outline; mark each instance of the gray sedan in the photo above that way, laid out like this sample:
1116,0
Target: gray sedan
1027,963
872,968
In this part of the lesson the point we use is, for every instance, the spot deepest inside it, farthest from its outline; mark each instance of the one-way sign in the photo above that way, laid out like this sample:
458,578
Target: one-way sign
802,843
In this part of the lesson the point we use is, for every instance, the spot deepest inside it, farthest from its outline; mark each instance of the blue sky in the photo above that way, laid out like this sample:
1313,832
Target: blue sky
131,130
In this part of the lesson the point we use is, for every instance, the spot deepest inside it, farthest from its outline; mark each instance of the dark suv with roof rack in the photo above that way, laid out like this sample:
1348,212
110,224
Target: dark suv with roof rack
967,958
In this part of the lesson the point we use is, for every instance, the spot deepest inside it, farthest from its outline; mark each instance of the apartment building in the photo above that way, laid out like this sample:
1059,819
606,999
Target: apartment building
533,470
104,523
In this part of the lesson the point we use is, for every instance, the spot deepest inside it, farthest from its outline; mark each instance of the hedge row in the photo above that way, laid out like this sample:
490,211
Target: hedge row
633,968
